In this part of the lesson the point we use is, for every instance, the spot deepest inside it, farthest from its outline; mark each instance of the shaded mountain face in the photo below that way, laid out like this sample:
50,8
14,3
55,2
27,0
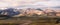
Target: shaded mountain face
39,9
10,12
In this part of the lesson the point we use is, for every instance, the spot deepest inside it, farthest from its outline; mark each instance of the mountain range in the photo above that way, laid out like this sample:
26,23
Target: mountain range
13,11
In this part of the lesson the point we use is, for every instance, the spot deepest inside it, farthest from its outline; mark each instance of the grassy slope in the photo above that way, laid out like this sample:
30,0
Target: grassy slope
34,21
